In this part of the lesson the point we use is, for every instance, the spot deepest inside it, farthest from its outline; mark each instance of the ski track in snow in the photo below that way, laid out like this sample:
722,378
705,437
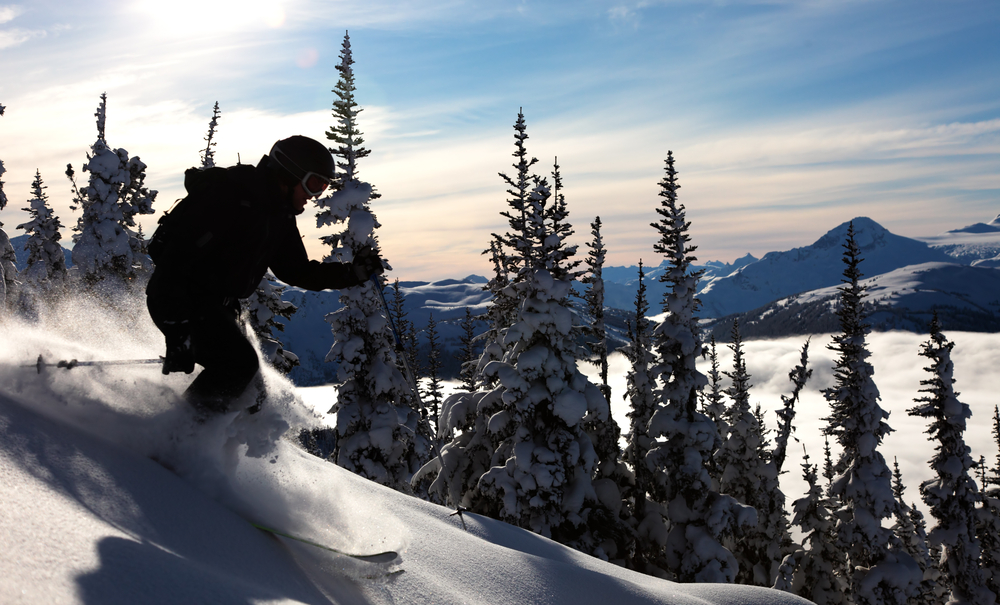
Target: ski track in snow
89,517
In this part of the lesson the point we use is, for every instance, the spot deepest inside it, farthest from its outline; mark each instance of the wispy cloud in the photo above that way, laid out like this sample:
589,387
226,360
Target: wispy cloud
785,118
10,12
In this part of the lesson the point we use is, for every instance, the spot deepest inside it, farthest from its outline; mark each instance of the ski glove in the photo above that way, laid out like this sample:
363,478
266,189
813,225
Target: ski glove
179,357
367,263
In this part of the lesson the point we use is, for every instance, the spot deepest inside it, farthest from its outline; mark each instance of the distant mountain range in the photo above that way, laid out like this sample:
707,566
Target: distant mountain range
965,298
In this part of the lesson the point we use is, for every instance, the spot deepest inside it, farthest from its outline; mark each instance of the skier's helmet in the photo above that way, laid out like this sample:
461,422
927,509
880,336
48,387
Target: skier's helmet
303,160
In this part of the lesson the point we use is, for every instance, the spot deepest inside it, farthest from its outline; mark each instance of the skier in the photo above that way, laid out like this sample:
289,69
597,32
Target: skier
213,249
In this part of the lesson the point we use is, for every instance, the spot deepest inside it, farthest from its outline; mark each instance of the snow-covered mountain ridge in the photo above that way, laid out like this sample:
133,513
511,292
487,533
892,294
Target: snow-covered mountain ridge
965,298
781,274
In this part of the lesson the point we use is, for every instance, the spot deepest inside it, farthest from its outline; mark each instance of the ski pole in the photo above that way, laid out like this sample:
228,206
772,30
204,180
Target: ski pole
73,363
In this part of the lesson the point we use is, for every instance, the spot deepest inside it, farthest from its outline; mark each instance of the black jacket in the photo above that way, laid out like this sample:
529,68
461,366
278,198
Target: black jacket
217,243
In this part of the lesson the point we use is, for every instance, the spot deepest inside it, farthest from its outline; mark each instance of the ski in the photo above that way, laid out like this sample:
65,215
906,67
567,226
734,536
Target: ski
379,557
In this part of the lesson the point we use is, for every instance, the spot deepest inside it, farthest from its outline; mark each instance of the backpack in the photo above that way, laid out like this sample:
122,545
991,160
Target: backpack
173,221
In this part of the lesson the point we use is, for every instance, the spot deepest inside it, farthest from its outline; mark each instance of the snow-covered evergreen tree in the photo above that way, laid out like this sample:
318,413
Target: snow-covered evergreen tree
208,154
45,271
988,514
712,399
640,392
263,309
107,249
749,476
542,478
432,392
594,296
799,375
815,571
466,416
699,516
8,270
951,495
3,196
862,485
828,473
911,530
381,434
468,353
407,332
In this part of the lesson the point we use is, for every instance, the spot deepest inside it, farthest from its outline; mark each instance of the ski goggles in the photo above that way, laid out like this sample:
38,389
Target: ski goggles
314,184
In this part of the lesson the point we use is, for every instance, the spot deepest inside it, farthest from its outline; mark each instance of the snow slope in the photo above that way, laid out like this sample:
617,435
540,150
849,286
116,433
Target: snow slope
87,516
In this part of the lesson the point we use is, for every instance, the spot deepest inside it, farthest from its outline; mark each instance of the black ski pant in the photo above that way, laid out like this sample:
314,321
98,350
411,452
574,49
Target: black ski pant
220,347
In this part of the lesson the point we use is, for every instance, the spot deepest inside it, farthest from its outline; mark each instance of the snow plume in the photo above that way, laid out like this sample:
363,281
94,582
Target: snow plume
238,459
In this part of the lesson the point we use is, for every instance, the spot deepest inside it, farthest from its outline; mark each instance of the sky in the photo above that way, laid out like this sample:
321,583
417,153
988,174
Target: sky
785,118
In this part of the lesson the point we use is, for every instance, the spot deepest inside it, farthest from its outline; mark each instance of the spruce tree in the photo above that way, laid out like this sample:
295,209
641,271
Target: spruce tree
381,434
467,416
467,355
509,252
542,475
951,495
640,392
699,516
749,476
107,249
862,484
799,375
432,392
988,514
816,570
407,332
911,530
208,154
712,399
8,269
594,296
45,271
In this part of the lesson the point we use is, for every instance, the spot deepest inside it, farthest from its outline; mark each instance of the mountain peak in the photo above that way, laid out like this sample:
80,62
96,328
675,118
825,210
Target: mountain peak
866,233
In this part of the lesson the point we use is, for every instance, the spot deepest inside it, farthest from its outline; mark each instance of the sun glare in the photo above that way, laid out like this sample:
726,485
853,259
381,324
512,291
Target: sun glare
178,18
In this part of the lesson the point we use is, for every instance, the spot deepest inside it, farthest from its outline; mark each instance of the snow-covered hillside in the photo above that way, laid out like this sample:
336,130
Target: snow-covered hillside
111,494
965,298
781,274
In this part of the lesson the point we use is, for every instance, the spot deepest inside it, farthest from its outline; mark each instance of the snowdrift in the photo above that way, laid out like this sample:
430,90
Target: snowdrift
111,493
